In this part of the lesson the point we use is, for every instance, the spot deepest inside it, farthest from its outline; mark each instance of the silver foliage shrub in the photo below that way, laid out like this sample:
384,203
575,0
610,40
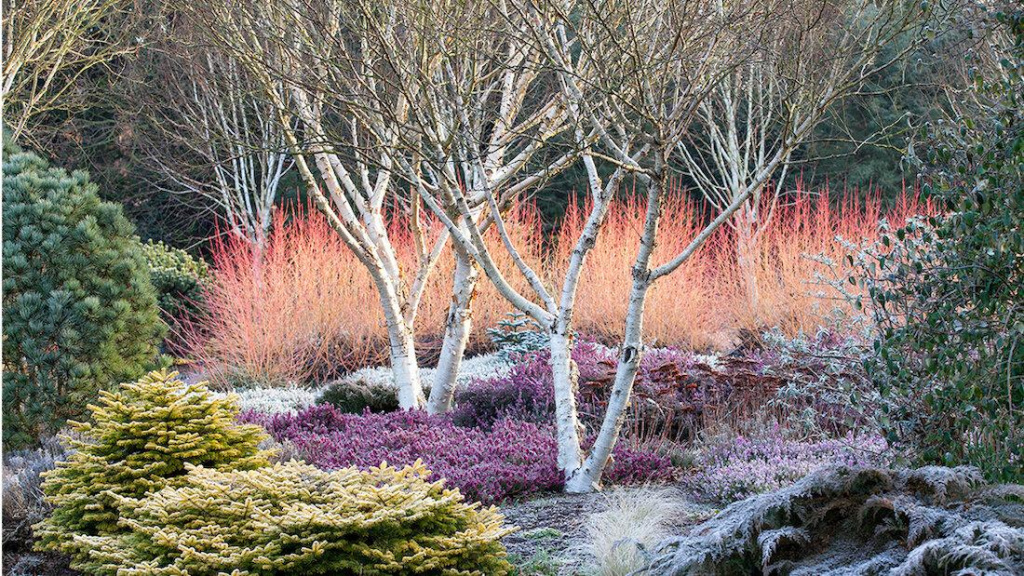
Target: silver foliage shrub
931,520
23,502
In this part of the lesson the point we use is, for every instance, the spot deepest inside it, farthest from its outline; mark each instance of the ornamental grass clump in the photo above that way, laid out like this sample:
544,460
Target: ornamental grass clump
293,518
140,439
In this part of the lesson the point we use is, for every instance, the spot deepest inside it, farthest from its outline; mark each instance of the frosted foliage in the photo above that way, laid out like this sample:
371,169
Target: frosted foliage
276,400
484,366
932,520
289,400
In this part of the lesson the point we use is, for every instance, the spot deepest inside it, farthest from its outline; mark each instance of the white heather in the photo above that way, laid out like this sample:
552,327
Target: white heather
292,399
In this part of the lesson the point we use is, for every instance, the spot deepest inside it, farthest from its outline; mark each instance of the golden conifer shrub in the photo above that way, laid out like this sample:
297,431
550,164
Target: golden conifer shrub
140,439
293,518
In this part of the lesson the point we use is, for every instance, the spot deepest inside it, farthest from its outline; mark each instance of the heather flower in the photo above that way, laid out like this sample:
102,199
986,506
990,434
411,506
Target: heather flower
509,458
527,391
743,467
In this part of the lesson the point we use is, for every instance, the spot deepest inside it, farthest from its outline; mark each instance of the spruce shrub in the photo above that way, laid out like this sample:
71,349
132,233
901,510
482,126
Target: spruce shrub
293,518
79,312
140,439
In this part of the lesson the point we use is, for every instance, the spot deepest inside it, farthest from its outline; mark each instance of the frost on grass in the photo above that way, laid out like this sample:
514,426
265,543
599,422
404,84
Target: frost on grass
293,399
932,520
635,520
23,501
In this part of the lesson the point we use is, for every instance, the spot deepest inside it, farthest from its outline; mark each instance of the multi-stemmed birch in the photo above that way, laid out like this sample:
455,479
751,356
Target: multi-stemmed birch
371,85
633,75
600,58
300,46
213,136
758,116
490,126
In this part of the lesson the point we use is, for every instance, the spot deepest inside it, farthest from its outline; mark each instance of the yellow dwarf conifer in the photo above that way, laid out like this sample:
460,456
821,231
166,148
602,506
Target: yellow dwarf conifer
293,518
140,439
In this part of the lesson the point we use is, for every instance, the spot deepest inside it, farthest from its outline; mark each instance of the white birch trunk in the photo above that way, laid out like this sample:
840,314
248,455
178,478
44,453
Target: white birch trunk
402,339
456,334
404,369
588,478
567,422
745,221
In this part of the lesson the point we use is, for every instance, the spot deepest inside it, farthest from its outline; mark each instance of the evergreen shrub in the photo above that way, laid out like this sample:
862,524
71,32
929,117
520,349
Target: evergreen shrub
140,439
79,311
293,518
179,280
361,396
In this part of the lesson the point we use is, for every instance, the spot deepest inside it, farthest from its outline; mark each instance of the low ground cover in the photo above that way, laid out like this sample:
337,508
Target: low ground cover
510,458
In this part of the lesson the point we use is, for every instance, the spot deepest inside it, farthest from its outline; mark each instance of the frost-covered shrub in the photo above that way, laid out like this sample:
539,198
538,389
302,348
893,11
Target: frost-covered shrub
510,458
945,294
360,396
741,467
275,400
483,366
23,501
517,335
931,520
139,440
295,519
825,391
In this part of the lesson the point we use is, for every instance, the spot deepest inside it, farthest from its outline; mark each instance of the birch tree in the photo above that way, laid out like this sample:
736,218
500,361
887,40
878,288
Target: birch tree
371,86
209,134
490,126
583,46
634,75
758,116
835,45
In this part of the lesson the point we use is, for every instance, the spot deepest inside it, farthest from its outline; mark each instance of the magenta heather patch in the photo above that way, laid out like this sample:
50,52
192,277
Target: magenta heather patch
509,458
525,394
667,400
